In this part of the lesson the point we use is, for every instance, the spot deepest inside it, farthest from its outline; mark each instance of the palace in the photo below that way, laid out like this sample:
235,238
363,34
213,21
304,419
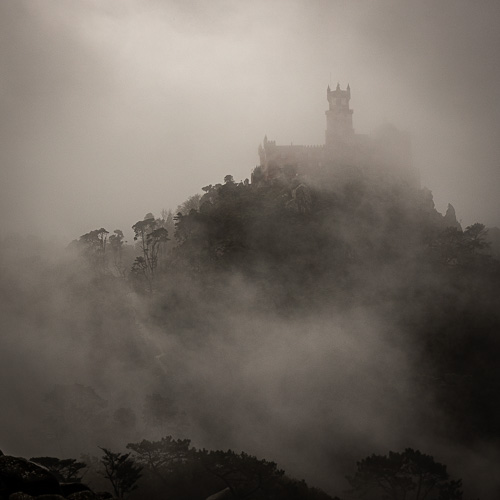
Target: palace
387,151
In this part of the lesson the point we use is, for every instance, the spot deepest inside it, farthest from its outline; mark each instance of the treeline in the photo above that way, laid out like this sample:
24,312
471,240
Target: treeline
304,248
293,234
380,246
172,468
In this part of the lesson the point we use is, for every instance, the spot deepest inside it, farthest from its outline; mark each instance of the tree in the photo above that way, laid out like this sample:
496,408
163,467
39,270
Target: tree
211,194
192,203
457,247
121,471
475,238
94,248
404,476
116,241
244,475
165,458
150,234
167,221
448,245
66,470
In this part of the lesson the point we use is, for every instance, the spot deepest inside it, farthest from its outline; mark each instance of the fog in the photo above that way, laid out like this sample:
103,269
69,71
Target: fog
314,393
112,109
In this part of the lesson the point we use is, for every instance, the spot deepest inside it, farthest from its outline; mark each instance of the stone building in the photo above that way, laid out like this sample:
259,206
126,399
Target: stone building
386,152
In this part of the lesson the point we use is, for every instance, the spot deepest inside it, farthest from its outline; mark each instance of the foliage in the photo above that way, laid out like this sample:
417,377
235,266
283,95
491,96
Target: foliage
404,476
174,469
243,474
116,241
94,248
192,203
187,473
121,471
165,458
461,248
346,242
151,235
66,470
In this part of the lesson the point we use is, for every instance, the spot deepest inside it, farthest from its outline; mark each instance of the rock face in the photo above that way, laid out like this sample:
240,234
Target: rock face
221,495
20,496
450,218
21,479
19,475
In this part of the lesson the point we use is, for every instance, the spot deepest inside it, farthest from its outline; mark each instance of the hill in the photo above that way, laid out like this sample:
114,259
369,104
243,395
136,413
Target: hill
310,322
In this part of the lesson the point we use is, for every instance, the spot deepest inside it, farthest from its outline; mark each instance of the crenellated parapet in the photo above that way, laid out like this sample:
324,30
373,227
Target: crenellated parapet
388,150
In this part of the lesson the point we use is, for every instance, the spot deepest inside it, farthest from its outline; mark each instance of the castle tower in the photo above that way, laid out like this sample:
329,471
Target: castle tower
339,128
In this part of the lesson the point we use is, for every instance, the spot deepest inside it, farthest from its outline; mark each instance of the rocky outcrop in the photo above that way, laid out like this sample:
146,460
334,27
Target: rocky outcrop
20,496
21,479
450,218
224,494
20,475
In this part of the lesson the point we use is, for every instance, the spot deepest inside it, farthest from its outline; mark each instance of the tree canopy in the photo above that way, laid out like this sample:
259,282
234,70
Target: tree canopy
404,476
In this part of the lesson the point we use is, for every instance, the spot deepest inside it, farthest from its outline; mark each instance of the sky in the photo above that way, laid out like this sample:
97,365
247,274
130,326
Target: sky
114,108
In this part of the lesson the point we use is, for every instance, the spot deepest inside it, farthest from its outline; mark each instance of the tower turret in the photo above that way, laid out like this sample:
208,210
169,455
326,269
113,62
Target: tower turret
339,116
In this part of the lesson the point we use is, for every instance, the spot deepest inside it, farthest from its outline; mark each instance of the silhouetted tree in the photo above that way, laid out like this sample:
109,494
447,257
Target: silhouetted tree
404,476
66,470
192,203
94,248
165,458
244,475
116,241
475,238
229,179
457,247
150,234
121,471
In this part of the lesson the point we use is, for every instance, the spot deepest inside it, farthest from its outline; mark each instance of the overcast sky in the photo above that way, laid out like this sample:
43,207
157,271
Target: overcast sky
114,108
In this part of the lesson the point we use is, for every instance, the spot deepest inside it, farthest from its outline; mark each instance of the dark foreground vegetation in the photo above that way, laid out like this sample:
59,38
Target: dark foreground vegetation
308,322
171,468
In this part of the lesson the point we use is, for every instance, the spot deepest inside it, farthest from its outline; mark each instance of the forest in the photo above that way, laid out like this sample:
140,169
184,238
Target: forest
340,328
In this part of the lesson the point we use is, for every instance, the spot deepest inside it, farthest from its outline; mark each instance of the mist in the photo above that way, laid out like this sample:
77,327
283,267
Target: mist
313,389
111,110
310,392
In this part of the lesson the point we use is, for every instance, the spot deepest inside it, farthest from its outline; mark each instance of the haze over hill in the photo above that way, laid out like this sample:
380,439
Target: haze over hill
327,310
310,324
